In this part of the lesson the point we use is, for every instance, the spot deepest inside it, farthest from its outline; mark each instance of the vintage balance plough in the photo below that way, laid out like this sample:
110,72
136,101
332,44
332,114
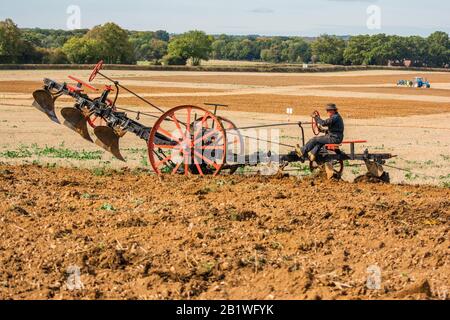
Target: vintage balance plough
185,139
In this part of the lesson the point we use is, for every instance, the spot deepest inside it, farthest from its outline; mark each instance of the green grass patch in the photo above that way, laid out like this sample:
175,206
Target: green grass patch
136,150
301,167
144,161
101,172
107,207
59,152
21,152
411,176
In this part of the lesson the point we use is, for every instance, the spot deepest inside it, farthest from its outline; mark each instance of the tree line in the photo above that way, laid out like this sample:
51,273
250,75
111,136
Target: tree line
115,45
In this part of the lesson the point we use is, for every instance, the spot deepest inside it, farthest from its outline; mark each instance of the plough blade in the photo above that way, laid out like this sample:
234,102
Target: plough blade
76,121
44,102
329,170
376,170
108,140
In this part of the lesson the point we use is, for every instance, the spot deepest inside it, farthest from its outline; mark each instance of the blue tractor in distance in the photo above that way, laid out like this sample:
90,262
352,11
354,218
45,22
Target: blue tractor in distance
418,82
421,83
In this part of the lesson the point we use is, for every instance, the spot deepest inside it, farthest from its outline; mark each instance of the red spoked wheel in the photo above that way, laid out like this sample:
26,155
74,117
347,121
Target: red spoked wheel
314,124
97,68
187,140
95,121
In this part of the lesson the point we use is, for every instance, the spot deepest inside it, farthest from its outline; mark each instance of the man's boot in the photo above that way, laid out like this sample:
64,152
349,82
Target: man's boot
311,156
299,153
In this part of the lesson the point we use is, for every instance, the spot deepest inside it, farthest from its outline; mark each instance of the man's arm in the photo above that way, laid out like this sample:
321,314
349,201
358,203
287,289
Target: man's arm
325,123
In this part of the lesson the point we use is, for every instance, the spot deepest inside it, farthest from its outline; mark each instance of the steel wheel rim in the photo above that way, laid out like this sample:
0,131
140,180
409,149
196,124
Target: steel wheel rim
198,134
314,125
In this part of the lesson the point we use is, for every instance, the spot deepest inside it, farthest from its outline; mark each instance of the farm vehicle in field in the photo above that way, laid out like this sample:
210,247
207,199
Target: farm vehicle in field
418,82
186,140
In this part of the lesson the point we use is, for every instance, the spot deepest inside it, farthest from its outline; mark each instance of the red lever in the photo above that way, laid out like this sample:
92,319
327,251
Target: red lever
83,83
108,88
74,89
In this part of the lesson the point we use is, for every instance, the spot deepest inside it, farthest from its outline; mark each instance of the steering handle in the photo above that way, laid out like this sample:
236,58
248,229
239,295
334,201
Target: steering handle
96,70
314,125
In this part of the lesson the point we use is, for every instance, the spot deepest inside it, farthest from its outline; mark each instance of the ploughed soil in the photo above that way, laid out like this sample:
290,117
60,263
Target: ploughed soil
136,236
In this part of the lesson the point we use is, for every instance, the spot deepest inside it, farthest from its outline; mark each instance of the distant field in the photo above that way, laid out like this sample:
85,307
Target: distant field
291,80
395,90
29,86
303,106
234,63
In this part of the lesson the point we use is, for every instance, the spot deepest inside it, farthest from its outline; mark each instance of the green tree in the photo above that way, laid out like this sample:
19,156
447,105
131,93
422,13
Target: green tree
272,55
55,56
157,49
296,50
162,35
357,50
115,46
147,47
377,54
329,49
11,45
31,54
171,60
438,49
46,38
218,49
417,48
194,45
82,50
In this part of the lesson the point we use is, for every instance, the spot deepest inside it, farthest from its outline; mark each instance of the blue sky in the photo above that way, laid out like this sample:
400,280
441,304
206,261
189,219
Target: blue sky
275,17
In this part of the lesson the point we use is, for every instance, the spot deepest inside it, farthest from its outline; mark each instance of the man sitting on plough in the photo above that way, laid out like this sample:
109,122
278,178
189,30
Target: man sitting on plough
334,134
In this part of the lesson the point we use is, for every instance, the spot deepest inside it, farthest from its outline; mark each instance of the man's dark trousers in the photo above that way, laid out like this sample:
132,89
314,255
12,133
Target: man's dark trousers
315,144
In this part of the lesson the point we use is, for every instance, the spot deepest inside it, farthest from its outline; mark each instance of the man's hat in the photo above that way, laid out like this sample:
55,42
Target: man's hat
331,107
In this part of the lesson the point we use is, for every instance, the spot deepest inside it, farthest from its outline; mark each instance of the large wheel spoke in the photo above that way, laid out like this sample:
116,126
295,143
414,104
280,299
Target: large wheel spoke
200,129
166,159
200,171
177,124
188,123
208,161
186,166
203,138
166,133
175,170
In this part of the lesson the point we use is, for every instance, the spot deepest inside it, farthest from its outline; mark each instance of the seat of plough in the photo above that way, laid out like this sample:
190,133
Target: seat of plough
350,142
